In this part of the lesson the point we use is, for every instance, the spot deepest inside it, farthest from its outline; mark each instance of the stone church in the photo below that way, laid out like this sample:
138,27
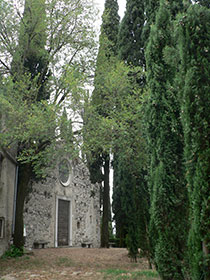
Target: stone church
63,210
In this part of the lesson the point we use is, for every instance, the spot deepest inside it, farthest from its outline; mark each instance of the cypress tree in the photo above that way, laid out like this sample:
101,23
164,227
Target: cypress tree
30,59
130,44
117,208
107,50
129,189
130,204
151,7
37,45
194,47
204,3
165,145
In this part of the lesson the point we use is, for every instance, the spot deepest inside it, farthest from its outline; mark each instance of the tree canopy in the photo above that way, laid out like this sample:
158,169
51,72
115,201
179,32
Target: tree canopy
48,51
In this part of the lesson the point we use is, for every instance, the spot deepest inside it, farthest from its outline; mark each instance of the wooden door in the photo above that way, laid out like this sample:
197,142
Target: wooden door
63,222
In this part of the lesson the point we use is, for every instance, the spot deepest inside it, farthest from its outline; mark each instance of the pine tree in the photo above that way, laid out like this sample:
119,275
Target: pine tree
107,50
194,49
165,145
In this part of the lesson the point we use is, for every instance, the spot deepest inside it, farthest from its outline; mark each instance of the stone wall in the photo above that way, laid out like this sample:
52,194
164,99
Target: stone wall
7,190
41,208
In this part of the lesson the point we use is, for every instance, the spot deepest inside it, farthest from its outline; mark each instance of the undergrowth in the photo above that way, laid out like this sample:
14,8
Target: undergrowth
13,252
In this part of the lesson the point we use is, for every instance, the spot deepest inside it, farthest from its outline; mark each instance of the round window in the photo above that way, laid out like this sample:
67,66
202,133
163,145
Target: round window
65,172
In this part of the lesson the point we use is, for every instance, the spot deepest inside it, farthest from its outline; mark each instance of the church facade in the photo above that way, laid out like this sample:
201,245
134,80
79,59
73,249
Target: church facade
63,210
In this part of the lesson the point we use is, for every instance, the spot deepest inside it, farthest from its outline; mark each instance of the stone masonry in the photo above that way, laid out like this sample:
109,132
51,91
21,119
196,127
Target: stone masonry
41,217
7,193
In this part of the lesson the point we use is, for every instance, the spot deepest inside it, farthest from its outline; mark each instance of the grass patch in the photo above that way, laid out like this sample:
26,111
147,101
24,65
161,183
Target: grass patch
64,261
120,274
148,273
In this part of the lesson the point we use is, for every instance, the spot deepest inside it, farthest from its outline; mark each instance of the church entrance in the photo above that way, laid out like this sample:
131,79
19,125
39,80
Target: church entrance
63,222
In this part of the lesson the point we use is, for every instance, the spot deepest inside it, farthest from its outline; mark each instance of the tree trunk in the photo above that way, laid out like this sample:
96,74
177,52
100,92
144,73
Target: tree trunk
106,206
24,176
206,255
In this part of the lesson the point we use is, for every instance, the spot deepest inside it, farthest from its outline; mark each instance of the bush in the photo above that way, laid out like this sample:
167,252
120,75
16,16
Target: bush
13,252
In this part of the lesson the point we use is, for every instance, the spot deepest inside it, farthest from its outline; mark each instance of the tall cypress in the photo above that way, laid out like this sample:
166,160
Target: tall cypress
130,204
107,50
165,145
129,183
151,8
130,44
117,207
30,59
194,47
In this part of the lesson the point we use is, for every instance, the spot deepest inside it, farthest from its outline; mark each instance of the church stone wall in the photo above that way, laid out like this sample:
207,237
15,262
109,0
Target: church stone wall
41,209
7,190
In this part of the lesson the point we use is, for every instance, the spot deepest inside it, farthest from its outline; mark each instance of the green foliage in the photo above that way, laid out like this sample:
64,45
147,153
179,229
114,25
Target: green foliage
110,24
130,41
114,130
151,8
117,208
106,55
129,184
33,125
129,194
120,130
47,65
13,252
31,57
165,146
101,106
203,3
37,72
194,27
129,207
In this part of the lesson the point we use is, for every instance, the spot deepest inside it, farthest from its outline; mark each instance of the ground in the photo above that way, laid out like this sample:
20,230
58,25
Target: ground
75,264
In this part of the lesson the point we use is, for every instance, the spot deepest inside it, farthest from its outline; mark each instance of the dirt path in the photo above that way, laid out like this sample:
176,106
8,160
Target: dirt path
71,263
